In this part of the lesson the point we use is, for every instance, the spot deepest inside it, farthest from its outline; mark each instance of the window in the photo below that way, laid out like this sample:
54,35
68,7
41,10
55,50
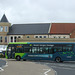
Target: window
11,39
35,49
57,48
6,29
40,36
15,39
50,50
28,37
0,38
41,50
36,36
54,36
59,37
45,50
19,36
64,37
27,49
5,38
1,28
19,48
67,48
44,36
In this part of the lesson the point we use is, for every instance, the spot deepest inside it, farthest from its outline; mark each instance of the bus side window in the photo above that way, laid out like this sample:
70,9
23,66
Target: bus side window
35,49
9,49
50,50
45,50
67,48
27,49
41,50
57,48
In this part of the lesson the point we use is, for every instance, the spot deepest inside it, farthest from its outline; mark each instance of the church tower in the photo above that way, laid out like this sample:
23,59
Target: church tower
4,29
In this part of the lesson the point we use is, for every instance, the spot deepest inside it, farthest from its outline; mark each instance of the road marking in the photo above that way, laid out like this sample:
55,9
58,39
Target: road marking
55,64
55,73
62,68
1,69
50,67
48,70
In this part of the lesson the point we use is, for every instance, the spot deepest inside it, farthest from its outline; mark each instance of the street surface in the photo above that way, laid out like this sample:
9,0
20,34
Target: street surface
37,68
65,68
26,68
2,63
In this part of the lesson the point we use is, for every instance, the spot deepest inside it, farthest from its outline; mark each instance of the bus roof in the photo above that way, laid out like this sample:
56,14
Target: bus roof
42,43
18,43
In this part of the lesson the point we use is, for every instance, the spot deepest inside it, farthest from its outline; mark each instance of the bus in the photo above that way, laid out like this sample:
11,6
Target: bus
55,51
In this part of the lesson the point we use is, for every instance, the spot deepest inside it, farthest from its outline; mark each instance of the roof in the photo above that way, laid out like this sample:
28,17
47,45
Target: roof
62,28
21,29
42,43
18,43
4,19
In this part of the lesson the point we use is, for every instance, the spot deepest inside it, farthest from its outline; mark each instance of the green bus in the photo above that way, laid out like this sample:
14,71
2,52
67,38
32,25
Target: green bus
55,51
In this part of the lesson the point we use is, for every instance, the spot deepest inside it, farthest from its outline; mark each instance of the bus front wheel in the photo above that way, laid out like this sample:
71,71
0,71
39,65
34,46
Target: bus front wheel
58,59
18,58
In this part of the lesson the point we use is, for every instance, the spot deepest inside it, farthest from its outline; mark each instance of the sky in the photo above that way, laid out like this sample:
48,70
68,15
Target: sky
38,11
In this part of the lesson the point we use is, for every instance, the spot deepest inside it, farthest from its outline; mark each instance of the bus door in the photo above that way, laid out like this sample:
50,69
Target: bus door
10,51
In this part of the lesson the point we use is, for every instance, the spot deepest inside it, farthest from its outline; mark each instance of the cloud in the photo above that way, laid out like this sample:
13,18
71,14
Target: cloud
29,11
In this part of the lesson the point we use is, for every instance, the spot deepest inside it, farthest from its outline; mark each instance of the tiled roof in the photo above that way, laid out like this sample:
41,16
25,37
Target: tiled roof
21,29
62,28
4,19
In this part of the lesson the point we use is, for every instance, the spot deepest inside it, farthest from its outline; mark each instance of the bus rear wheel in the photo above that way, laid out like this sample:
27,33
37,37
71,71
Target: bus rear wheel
58,59
18,58
24,59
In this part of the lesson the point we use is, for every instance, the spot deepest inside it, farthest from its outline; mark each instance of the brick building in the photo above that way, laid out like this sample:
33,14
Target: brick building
36,32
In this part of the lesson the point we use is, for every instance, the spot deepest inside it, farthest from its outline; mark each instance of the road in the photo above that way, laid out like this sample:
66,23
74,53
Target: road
37,68
65,68
26,68
2,63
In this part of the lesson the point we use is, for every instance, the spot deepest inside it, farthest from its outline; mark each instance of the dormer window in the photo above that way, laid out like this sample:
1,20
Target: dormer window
1,29
6,28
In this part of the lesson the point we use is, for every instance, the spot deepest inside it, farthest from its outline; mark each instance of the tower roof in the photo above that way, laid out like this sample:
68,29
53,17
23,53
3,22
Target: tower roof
4,19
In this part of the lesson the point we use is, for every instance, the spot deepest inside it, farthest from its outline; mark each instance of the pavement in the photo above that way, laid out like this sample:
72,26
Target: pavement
26,68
